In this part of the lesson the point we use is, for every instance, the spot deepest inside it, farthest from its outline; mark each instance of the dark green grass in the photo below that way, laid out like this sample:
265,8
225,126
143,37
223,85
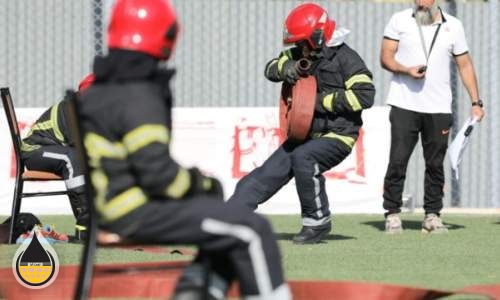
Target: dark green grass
357,249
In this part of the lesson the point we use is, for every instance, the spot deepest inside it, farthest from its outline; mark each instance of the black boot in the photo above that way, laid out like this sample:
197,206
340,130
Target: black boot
312,234
193,286
188,294
193,293
80,209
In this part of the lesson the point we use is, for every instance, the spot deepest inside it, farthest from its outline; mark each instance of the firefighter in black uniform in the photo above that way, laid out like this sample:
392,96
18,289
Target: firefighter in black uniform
142,193
345,88
49,147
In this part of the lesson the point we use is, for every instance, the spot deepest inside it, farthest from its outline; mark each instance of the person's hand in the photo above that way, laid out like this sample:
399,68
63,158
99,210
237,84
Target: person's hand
417,72
213,186
477,113
290,74
205,184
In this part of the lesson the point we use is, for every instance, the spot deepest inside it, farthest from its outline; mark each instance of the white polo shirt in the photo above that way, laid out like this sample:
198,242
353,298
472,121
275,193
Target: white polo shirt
431,94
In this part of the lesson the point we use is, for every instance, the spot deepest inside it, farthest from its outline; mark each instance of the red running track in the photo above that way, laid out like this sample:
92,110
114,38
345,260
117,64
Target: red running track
157,280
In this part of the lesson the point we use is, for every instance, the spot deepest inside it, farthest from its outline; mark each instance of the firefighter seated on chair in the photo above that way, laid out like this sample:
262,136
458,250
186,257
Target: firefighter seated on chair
49,147
141,192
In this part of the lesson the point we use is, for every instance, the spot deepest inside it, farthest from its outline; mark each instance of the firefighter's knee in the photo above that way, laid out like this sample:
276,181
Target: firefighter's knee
301,160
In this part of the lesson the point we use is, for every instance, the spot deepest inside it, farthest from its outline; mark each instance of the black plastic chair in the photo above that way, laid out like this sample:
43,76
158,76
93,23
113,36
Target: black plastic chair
97,237
22,174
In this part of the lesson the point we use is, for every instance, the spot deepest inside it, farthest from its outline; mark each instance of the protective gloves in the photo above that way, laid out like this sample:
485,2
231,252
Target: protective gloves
205,184
290,73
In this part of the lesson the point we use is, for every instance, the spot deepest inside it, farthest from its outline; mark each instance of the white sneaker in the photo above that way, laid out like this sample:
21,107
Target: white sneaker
393,224
433,224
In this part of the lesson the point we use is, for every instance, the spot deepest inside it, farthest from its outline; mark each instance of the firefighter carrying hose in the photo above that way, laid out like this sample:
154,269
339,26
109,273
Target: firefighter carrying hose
344,89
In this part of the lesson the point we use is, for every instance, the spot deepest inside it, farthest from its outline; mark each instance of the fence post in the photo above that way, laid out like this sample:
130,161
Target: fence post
491,107
98,20
455,184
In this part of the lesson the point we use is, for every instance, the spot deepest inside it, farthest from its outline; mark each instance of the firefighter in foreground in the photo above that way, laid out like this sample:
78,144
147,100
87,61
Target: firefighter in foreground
142,193
49,147
344,87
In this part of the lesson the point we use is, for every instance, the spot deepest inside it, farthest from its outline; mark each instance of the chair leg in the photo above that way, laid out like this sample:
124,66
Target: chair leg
16,208
87,262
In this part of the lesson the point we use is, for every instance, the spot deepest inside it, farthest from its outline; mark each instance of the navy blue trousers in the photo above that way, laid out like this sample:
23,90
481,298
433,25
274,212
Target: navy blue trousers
306,162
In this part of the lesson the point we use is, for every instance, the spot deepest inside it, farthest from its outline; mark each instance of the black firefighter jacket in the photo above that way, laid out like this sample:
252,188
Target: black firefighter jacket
51,128
345,88
126,120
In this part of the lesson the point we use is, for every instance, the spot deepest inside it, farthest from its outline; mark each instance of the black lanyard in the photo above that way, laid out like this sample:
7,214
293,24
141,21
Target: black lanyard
432,43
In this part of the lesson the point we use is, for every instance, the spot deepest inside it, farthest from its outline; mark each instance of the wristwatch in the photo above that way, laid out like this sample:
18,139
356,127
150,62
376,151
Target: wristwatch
478,103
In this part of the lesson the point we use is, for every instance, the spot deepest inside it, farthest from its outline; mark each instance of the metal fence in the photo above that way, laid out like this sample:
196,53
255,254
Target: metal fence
45,47
48,46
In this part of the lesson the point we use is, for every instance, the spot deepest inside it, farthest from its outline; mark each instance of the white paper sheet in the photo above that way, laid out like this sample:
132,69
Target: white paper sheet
458,145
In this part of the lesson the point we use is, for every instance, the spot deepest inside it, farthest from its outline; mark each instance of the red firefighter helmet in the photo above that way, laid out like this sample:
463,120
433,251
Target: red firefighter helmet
148,26
86,82
308,22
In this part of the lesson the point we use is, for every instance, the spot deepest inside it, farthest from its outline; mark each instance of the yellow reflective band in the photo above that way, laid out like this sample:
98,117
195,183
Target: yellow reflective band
180,185
359,78
41,126
206,183
80,227
55,124
100,183
25,147
281,62
273,62
353,100
328,102
124,203
145,135
349,141
98,147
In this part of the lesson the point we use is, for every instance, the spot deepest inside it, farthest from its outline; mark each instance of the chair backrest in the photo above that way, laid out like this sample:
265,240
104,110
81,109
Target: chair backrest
15,134
88,253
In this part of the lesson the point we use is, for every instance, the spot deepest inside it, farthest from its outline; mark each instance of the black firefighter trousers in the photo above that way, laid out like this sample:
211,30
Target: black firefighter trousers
406,126
306,162
63,161
238,243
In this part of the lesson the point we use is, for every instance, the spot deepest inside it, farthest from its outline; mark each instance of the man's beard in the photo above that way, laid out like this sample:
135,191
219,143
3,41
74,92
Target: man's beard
424,15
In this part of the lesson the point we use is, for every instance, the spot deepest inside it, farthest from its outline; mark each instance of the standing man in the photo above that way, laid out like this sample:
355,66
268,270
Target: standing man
345,88
418,47
142,193
49,147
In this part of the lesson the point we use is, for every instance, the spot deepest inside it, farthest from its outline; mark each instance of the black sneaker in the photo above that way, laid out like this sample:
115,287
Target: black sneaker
312,234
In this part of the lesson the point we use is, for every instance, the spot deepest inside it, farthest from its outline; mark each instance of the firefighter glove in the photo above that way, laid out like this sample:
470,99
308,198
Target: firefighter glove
201,184
290,73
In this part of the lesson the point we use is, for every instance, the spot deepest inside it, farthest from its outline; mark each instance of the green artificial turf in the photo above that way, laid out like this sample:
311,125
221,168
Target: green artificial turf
357,249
